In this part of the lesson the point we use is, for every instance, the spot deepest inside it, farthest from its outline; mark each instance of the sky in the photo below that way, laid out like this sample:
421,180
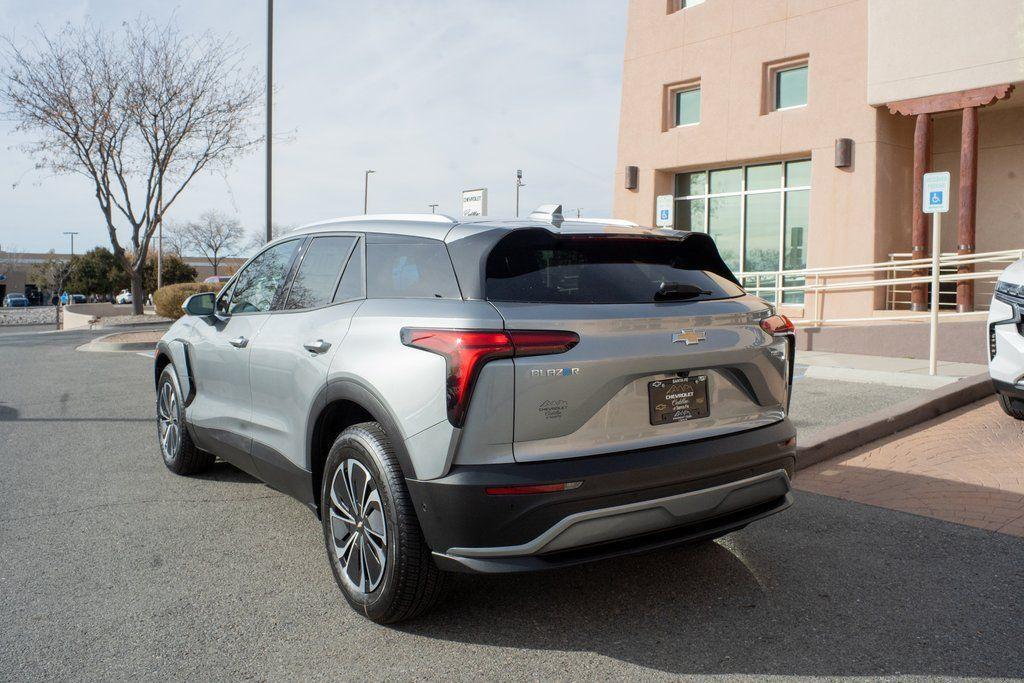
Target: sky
436,97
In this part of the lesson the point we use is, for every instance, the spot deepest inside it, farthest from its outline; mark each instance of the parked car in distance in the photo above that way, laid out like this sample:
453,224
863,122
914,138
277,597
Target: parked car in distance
1005,341
78,298
14,300
213,279
486,396
123,297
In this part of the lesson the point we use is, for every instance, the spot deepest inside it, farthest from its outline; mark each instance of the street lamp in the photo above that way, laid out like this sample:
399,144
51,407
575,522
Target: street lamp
366,189
72,234
519,183
433,208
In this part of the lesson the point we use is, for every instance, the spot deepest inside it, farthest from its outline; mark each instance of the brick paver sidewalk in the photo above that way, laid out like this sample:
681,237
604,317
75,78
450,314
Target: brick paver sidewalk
965,467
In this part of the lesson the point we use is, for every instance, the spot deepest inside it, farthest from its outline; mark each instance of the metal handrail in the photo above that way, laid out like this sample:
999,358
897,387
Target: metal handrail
820,276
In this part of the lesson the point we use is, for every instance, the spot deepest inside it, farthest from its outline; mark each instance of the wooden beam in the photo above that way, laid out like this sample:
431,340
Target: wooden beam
952,101
968,205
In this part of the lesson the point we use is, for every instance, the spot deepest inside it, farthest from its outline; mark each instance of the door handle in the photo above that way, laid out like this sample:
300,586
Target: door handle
318,346
239,342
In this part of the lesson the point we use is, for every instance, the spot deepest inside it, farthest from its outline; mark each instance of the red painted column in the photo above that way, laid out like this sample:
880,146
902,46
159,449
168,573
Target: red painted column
967,215
919,229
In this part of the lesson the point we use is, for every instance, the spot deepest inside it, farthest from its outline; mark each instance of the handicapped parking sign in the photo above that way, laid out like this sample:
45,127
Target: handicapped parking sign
935,193
663,210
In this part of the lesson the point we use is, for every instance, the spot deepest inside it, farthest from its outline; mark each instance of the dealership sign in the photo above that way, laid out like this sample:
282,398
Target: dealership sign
474,202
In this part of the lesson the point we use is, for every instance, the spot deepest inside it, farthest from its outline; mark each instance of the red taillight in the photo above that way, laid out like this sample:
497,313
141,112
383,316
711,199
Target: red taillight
777,324
532,488
466,351
540,343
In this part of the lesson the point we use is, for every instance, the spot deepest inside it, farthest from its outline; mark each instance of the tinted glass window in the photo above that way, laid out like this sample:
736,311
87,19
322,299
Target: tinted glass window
257,284
688,107
351,286
791,87
319,271
545,268
420,270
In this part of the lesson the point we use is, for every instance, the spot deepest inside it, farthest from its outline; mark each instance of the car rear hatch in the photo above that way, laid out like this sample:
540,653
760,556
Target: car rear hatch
670,348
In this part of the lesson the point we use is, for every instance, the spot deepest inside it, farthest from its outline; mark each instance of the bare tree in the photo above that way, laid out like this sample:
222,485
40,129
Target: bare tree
215,236
175,237
259,239
51,274
139,112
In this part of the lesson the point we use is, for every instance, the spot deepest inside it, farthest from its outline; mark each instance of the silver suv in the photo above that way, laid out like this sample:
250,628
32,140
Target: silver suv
486,395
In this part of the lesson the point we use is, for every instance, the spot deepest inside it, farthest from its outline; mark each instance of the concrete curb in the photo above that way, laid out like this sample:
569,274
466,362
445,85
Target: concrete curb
851,434
99,345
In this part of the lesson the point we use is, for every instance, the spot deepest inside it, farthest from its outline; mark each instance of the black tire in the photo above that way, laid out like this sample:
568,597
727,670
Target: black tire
184,458
410,583
1012,407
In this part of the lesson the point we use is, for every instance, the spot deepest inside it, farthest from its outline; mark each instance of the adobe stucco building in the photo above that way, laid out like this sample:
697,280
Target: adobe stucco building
789,129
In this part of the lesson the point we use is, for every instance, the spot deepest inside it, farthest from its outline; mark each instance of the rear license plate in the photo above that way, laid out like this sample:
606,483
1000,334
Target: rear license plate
678,399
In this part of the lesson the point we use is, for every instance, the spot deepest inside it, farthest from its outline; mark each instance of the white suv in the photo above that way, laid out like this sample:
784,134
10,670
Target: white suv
1006,340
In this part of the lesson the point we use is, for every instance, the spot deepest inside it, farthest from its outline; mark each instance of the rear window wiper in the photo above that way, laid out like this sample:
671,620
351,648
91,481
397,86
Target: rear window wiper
679,290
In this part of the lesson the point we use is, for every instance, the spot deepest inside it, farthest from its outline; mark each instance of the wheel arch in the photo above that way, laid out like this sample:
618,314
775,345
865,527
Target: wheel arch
340,405
175,353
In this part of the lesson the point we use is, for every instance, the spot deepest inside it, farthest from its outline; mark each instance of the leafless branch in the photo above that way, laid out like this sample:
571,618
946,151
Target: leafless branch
139,112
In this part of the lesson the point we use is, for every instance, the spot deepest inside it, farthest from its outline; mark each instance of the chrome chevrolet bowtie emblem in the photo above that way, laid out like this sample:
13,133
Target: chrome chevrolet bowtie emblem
688,337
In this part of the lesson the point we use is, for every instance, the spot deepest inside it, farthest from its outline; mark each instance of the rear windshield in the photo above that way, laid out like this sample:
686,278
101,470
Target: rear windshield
541,267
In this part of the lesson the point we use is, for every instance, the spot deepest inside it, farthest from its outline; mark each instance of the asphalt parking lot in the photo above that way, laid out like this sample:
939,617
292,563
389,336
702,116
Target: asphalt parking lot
113,568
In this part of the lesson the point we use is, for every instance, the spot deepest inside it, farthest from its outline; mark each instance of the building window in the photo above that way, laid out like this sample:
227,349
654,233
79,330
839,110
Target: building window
758,215
681,104
788,85
686,106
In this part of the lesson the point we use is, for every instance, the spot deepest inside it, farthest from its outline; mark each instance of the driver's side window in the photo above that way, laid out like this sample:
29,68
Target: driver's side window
256,286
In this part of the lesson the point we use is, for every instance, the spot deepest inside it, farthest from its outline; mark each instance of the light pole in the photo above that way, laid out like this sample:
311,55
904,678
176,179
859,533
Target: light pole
366,189
72,234
519,183
270,114
433,208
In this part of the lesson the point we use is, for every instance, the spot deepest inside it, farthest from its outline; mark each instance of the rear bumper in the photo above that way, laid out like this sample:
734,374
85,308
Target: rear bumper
628,502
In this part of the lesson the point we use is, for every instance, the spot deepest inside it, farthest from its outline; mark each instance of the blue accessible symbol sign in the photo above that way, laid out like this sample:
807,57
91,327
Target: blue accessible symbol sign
935,194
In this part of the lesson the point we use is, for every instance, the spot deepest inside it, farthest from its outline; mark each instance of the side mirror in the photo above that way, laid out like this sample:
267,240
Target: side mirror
199,304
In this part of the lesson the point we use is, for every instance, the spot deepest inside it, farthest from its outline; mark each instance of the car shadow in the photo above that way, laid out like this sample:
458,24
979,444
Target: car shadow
827,588
226,472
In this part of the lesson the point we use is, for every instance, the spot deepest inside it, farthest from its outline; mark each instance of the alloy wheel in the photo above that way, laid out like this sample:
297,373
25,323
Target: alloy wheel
358,526
167,416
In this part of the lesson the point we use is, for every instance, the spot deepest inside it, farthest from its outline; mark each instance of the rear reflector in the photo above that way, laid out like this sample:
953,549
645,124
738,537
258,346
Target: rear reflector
778,324
466,351
532,488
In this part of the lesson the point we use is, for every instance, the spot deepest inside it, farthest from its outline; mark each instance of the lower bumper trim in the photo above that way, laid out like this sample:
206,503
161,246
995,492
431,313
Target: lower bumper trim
610,523
685,533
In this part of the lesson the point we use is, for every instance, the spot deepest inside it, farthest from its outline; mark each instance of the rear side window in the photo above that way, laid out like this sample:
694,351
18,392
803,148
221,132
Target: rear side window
420,270
319,271
541,267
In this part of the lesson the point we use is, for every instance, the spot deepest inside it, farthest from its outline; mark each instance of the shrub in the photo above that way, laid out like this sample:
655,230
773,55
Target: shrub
168,300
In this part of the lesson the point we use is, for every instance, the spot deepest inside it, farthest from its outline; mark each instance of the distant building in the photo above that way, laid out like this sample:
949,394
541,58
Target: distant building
793,130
